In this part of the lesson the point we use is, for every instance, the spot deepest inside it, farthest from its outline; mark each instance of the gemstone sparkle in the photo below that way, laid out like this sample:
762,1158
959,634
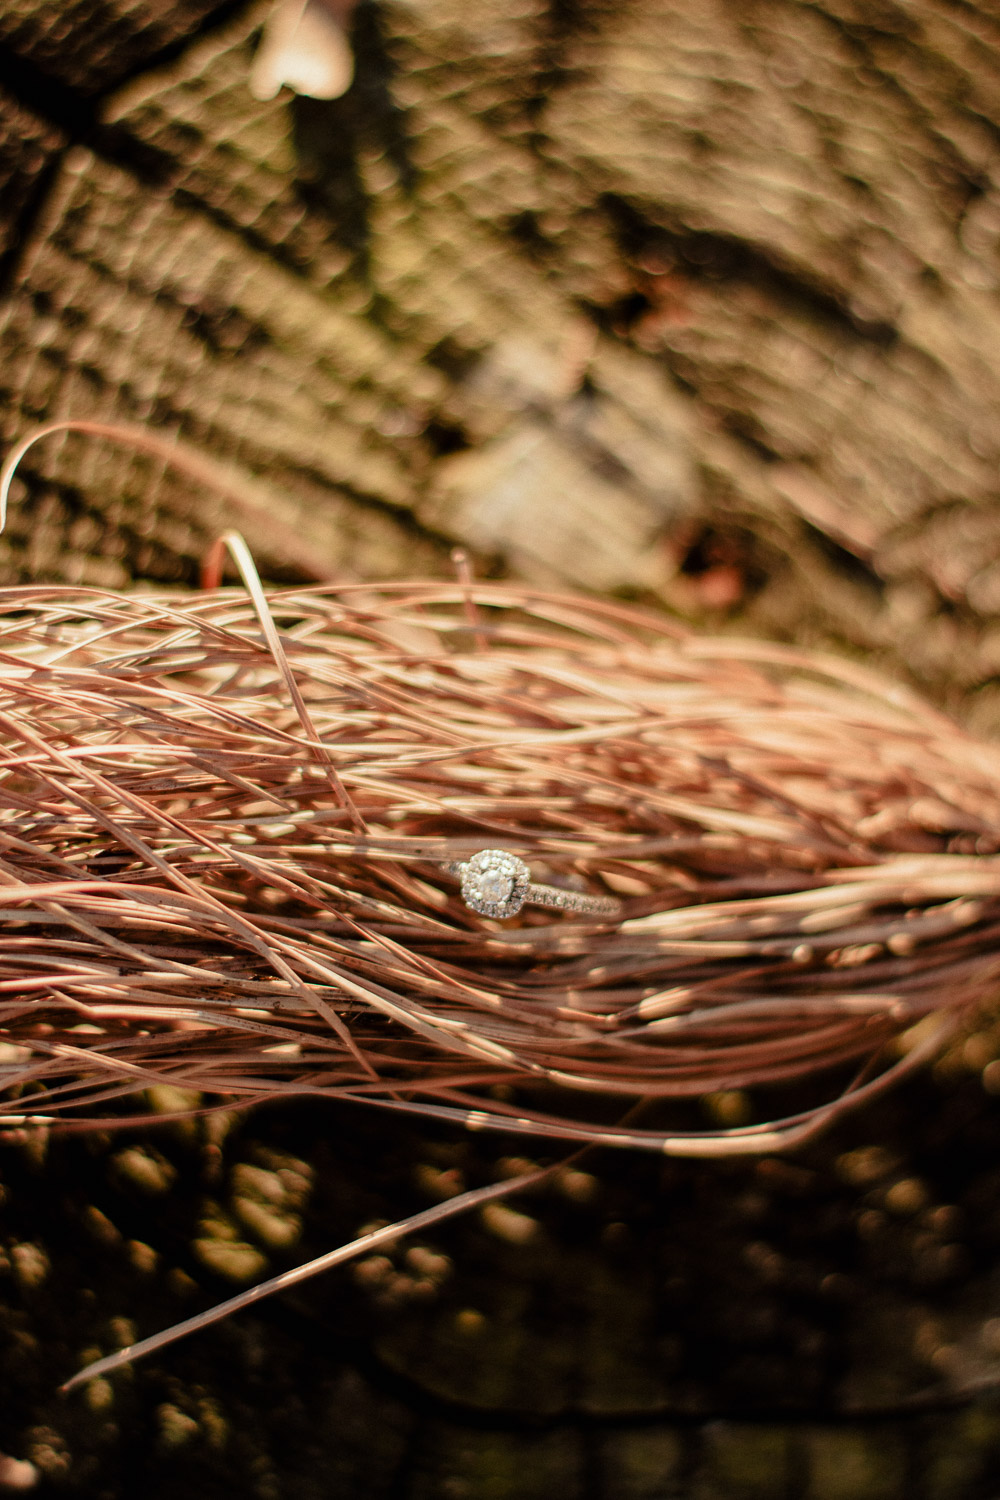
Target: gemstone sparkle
495,883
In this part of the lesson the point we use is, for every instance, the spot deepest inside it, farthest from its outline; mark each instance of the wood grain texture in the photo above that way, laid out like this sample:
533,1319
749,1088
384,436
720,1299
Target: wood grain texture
729,272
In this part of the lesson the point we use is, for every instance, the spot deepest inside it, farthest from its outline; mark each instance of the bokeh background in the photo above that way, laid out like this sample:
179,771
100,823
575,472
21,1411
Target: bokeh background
694,304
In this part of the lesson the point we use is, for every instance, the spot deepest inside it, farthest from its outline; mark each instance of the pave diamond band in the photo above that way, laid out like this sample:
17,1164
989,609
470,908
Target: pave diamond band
498,884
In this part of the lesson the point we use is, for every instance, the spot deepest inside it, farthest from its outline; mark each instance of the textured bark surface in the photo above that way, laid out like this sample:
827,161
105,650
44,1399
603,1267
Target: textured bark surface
695,302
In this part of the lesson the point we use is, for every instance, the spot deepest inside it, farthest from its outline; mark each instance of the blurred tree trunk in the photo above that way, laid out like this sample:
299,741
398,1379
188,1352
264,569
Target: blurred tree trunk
699,303
729,272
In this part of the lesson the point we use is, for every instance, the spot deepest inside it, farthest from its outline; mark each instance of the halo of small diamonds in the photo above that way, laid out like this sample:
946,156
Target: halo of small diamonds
495,883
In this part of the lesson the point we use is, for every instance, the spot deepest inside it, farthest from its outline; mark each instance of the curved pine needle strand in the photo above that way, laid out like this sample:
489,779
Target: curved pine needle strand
363,1245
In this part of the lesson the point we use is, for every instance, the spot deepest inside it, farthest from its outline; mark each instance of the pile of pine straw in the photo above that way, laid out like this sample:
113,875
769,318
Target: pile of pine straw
224,817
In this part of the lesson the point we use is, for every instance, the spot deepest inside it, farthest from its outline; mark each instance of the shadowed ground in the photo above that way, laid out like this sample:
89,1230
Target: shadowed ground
695,303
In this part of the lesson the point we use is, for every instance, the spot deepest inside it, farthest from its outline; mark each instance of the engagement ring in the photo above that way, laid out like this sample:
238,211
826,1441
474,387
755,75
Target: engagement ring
498,884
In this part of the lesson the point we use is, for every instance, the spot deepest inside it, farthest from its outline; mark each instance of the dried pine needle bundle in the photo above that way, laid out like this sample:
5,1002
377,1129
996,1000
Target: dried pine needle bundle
233,831
502,857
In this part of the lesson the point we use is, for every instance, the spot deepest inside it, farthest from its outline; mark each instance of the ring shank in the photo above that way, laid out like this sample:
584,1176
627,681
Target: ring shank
563,900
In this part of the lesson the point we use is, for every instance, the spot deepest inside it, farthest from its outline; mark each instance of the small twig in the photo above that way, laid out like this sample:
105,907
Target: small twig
463,568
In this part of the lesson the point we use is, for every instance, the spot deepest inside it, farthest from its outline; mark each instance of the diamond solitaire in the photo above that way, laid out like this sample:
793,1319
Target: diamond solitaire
495,883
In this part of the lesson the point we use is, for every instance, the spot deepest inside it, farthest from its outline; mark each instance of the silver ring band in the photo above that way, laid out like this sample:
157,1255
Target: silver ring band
498,884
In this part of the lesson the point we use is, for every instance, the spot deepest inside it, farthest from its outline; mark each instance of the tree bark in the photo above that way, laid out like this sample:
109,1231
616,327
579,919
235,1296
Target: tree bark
696,303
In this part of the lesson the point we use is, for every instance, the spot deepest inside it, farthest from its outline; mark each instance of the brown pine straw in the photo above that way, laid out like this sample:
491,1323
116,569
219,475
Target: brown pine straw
224,817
